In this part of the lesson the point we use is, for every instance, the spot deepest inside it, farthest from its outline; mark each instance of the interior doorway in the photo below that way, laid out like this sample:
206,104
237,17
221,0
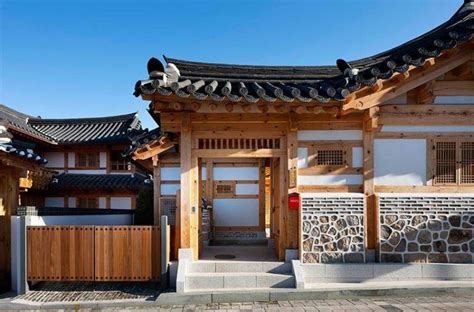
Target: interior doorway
237,215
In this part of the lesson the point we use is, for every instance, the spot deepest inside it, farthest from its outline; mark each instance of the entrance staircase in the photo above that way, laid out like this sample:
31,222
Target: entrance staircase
237,275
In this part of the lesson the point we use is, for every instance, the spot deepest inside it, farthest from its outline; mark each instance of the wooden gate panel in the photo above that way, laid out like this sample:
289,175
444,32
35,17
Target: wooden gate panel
60,253
127,253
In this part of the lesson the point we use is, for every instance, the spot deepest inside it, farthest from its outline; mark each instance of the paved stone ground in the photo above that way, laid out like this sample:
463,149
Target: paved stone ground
390,304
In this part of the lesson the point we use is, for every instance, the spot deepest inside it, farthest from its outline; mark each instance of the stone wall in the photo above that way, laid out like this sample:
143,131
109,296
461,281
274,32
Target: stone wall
433,228
332,228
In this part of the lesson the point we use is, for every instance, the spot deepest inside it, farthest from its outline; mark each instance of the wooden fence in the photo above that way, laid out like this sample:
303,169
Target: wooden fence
93,253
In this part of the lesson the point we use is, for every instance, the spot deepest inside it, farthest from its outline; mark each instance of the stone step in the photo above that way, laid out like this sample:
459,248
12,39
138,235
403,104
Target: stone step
238,267
205,281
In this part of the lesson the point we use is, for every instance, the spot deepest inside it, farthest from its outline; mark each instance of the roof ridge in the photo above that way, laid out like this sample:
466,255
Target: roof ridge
85,120
14,112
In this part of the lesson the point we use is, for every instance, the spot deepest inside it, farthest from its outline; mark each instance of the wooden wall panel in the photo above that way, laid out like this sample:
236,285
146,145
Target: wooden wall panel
59,253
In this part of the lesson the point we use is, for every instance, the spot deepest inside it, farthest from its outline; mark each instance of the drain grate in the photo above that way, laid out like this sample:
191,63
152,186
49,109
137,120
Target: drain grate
224,257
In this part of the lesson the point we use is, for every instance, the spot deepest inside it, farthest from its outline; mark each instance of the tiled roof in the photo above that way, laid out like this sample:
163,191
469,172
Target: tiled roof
248,83
99,130
18,148
147,138
67,181
89,130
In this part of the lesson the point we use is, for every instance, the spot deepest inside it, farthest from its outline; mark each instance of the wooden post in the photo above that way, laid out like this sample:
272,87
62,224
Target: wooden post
156,190
370,216
293,216
185,160
283,187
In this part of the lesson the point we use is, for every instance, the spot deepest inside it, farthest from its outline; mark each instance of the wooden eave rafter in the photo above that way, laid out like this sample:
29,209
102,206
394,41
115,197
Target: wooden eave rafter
413,78
154,149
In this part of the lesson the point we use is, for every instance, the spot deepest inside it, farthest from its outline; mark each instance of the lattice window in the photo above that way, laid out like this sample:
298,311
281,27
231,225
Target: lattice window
329,158
224,189
240,143
118,162
168,208
445,162
467,162
87,202
87,160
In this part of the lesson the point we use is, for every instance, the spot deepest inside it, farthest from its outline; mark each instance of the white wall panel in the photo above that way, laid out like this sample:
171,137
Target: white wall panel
236,173
342,179
71,201
235,212
169,189
88,171
102,202
394,128
54,202
246,189
302,157
55,159
71,160
103,159
120,203
170,174
399,162
454,100
323,135
357,157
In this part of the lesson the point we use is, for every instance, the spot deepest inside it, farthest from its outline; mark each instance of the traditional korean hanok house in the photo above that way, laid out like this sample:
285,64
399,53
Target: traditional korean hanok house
21,169
380,151
86,155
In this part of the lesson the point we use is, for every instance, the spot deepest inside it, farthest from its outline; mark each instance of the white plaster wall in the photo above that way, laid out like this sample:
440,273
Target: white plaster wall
235,212
395,128
170,174
246,189
88,171
236,173
454,100
55,159
102,202
302,157
400,162
120,203
343,179
357,157
103,160
325,135
71,160
71,202
54,202
169,189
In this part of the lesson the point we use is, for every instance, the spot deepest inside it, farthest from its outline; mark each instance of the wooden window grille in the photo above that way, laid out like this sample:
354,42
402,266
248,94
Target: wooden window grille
329,158
168,208
445,163
87,160
118,162
240,143
467,162
88,202
224,189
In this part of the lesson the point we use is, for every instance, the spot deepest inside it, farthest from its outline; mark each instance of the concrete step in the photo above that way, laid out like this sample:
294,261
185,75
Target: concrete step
239,267
225,280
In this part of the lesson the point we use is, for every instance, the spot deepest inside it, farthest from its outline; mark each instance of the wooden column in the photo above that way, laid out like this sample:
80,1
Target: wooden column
189,189
283,226
156,190
370,214
185,161
293,215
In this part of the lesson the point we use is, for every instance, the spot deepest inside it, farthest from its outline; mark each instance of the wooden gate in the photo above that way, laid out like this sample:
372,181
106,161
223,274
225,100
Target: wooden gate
93,253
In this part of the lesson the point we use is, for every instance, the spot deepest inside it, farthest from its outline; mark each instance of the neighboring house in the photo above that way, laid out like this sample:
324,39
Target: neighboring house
86,156
381,151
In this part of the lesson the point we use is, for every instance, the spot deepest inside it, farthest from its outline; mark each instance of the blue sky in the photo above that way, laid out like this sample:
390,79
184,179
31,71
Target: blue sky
82,58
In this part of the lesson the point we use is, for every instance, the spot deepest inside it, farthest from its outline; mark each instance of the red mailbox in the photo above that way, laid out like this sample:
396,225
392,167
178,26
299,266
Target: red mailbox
294,201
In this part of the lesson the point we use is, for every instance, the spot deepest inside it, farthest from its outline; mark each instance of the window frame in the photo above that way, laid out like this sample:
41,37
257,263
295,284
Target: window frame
87,166
432,161
125,161
88,198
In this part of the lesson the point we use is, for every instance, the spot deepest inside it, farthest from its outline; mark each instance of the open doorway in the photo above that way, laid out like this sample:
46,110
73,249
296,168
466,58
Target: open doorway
237,213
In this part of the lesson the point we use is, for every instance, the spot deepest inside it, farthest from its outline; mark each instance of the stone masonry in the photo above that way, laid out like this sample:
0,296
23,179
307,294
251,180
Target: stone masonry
431,228
332,228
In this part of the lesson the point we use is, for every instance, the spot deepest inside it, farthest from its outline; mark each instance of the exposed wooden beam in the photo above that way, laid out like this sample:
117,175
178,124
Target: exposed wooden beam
453,88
